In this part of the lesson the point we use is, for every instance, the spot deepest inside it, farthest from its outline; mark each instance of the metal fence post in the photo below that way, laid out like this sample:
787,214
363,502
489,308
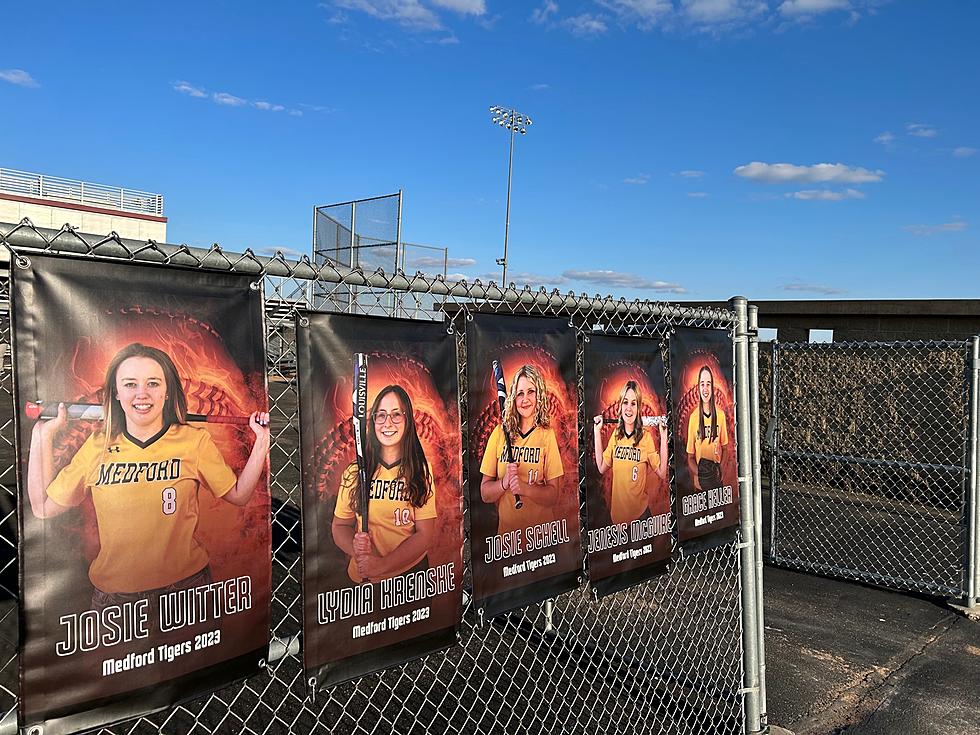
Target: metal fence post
773,432
757,498
750,628
972,511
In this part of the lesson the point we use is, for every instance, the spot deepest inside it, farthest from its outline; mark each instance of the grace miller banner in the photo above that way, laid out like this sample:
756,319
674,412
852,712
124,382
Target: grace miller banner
382,513
702,396
523,467
628,486
144,507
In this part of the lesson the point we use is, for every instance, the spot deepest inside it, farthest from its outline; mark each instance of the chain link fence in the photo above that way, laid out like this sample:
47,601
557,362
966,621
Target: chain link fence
872,462
666,656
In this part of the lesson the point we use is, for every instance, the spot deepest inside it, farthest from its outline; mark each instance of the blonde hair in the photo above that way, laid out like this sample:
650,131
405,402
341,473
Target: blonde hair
631,385
512,420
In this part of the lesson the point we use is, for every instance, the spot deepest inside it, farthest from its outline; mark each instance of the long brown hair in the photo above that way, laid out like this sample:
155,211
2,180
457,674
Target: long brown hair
414,469
711,403
174,407
631,385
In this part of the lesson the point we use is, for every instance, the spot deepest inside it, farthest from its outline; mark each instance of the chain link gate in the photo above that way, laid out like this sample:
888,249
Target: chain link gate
666,656
872,462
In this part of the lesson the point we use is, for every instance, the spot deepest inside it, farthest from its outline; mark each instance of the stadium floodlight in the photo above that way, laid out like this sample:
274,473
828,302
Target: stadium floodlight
515,122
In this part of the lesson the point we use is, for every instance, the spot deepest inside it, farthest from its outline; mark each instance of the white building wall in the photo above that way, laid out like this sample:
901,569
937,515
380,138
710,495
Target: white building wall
93,223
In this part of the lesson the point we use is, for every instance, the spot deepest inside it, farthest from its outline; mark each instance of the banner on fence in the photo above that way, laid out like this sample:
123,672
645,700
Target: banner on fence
703,427
523,460
144,505
627,482
382,476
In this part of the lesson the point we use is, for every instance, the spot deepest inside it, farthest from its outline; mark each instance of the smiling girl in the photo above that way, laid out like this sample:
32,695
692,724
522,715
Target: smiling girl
143,469
533,471
707,435
630,454
402,512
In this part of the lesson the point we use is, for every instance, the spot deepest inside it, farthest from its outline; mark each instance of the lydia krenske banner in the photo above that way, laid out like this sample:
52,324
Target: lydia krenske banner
382,470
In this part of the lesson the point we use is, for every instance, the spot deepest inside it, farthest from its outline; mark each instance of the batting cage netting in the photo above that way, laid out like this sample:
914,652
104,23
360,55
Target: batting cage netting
679,654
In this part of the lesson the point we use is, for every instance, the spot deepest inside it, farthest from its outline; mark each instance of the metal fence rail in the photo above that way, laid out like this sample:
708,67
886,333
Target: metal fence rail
80,192
666,656
871,467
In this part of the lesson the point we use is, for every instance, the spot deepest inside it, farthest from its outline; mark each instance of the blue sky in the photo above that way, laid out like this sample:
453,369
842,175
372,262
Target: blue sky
688,149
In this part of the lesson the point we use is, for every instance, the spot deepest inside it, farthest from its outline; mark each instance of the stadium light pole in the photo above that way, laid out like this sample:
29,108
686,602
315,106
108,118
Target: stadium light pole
515,122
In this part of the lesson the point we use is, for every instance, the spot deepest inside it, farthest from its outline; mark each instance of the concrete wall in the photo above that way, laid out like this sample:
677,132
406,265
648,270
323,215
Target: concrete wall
95,223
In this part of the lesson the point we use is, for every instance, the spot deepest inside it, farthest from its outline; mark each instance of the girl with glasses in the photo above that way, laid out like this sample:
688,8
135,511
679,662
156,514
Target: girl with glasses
402,512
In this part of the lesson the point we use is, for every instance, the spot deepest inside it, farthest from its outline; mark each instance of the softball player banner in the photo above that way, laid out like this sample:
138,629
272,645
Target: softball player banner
142,445
628,486
382,512
523,460
703,427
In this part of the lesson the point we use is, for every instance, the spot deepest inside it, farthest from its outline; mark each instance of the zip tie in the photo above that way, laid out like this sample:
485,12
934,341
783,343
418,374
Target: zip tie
749,690
744,544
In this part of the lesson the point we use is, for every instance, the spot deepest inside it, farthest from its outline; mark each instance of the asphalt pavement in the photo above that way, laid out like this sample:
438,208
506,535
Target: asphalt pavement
843,657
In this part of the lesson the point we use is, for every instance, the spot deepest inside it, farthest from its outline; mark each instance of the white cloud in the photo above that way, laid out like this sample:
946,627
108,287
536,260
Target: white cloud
796,8
820,173
691,173
585,24
414,15
223,98
463,7
814,288
721,11
885,139
825,195
408,13
428,261
964,151
229,100
921,130
543,14
637,180
698,194
531,279
19,77
956,225
616,279
189,89
540,87
644,13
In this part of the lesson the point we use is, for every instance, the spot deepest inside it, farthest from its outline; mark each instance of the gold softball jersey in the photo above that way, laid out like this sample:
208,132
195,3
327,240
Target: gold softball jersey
145,497
391,517
703,447
630,465
538,459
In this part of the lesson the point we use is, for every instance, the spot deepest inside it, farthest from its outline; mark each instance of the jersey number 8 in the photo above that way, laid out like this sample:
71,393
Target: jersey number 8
169,501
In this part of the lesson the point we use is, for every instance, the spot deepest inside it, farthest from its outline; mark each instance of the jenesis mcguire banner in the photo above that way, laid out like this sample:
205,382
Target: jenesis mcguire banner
382,513
142,444
703,400
628,485
523,460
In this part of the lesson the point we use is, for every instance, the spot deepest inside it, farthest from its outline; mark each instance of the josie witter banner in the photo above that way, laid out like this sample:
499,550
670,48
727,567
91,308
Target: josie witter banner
142,444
